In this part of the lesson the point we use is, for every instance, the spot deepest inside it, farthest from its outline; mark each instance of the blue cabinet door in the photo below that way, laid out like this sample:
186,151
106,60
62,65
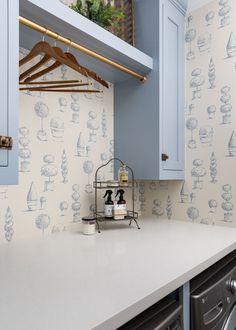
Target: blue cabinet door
9,36
149,117
171,101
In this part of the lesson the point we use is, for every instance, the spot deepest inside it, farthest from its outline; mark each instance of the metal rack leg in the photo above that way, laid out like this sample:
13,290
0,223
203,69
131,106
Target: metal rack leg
98,227
135,222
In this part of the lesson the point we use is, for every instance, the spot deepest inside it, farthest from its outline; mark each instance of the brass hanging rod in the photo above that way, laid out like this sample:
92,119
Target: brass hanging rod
79,47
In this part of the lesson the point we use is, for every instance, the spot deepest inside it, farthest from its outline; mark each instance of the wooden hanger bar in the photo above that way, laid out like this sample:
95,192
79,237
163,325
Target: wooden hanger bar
61,90
50,82
54,86
79,47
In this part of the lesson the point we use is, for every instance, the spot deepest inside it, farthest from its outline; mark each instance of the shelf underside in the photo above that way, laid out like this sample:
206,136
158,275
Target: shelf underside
61,19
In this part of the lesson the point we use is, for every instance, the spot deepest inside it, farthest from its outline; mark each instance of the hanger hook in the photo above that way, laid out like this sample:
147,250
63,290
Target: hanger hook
55,42
45,33
68,48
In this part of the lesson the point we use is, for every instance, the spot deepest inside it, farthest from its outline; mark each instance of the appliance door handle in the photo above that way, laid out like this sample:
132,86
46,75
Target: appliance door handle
213,314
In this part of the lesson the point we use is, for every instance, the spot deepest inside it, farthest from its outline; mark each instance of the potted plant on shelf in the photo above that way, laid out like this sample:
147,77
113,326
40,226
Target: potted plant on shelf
111,15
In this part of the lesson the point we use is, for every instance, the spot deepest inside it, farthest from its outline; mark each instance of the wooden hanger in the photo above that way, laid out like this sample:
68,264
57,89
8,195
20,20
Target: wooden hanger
50,82
55,86
40,89
60,57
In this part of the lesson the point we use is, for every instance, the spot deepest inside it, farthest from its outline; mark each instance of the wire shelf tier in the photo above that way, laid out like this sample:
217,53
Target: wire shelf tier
106,184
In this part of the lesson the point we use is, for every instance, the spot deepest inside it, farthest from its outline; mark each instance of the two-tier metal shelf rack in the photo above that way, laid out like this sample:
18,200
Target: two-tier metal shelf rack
131,214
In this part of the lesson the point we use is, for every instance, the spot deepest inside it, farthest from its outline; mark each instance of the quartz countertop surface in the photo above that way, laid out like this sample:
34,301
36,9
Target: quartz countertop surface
72,281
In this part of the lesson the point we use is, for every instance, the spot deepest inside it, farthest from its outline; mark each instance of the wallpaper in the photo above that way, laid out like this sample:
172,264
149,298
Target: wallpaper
208,195
63,138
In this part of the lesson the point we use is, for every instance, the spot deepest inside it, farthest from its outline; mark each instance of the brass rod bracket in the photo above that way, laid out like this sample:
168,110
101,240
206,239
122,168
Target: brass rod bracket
6,142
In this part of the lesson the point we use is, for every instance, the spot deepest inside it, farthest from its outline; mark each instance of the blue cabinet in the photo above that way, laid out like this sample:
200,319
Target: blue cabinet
9,35
149,117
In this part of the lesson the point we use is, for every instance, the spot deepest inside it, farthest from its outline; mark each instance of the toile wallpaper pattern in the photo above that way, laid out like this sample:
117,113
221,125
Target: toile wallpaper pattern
208,195
63,138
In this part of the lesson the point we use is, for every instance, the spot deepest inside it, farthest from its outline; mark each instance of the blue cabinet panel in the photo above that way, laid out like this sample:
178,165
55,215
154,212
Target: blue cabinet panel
149,117
172,87
9,34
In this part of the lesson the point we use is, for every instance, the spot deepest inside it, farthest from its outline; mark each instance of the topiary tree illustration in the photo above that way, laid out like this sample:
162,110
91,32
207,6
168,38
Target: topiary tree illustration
223,12
232,145
43,201
76,204
49,170
63,208
227,205
62,103
32,198
88,167
8,227
211,73
212,203
42,222
189,37
213,168
226,107
42,111
198,171
24,152
168,208
231,45
210,17
92,124
211,110
104,124
184,193
196,82
64,167
192,197
191,125
192,213
157,208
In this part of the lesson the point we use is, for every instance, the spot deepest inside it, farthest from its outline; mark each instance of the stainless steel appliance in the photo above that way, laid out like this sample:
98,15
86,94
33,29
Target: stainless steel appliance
213,297
164,315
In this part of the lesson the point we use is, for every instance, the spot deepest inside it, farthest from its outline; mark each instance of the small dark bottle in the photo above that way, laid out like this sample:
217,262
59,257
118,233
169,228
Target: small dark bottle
109,204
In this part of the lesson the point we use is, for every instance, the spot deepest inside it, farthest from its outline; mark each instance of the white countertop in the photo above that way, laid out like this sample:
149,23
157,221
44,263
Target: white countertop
71,281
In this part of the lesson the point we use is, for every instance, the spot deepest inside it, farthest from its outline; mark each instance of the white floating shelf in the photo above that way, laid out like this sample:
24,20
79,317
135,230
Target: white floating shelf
59,18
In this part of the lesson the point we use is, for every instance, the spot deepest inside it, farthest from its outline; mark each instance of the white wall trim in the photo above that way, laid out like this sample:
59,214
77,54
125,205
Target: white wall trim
195,4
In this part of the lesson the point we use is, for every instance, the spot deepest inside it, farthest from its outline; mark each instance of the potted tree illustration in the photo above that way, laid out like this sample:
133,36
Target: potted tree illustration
212,203
49,171
223,12
8,227
196,82
189,37
104,124
226,107
211,110
191,125
75,107
193,213
210,17
168,207
231,45
157,208
42,111
211,74
93,125
24,152
88,169
42,222
213,168
62,103
43,202
183,193
64,167
232,145
198,171
227,205
76,205
32,198
63,208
